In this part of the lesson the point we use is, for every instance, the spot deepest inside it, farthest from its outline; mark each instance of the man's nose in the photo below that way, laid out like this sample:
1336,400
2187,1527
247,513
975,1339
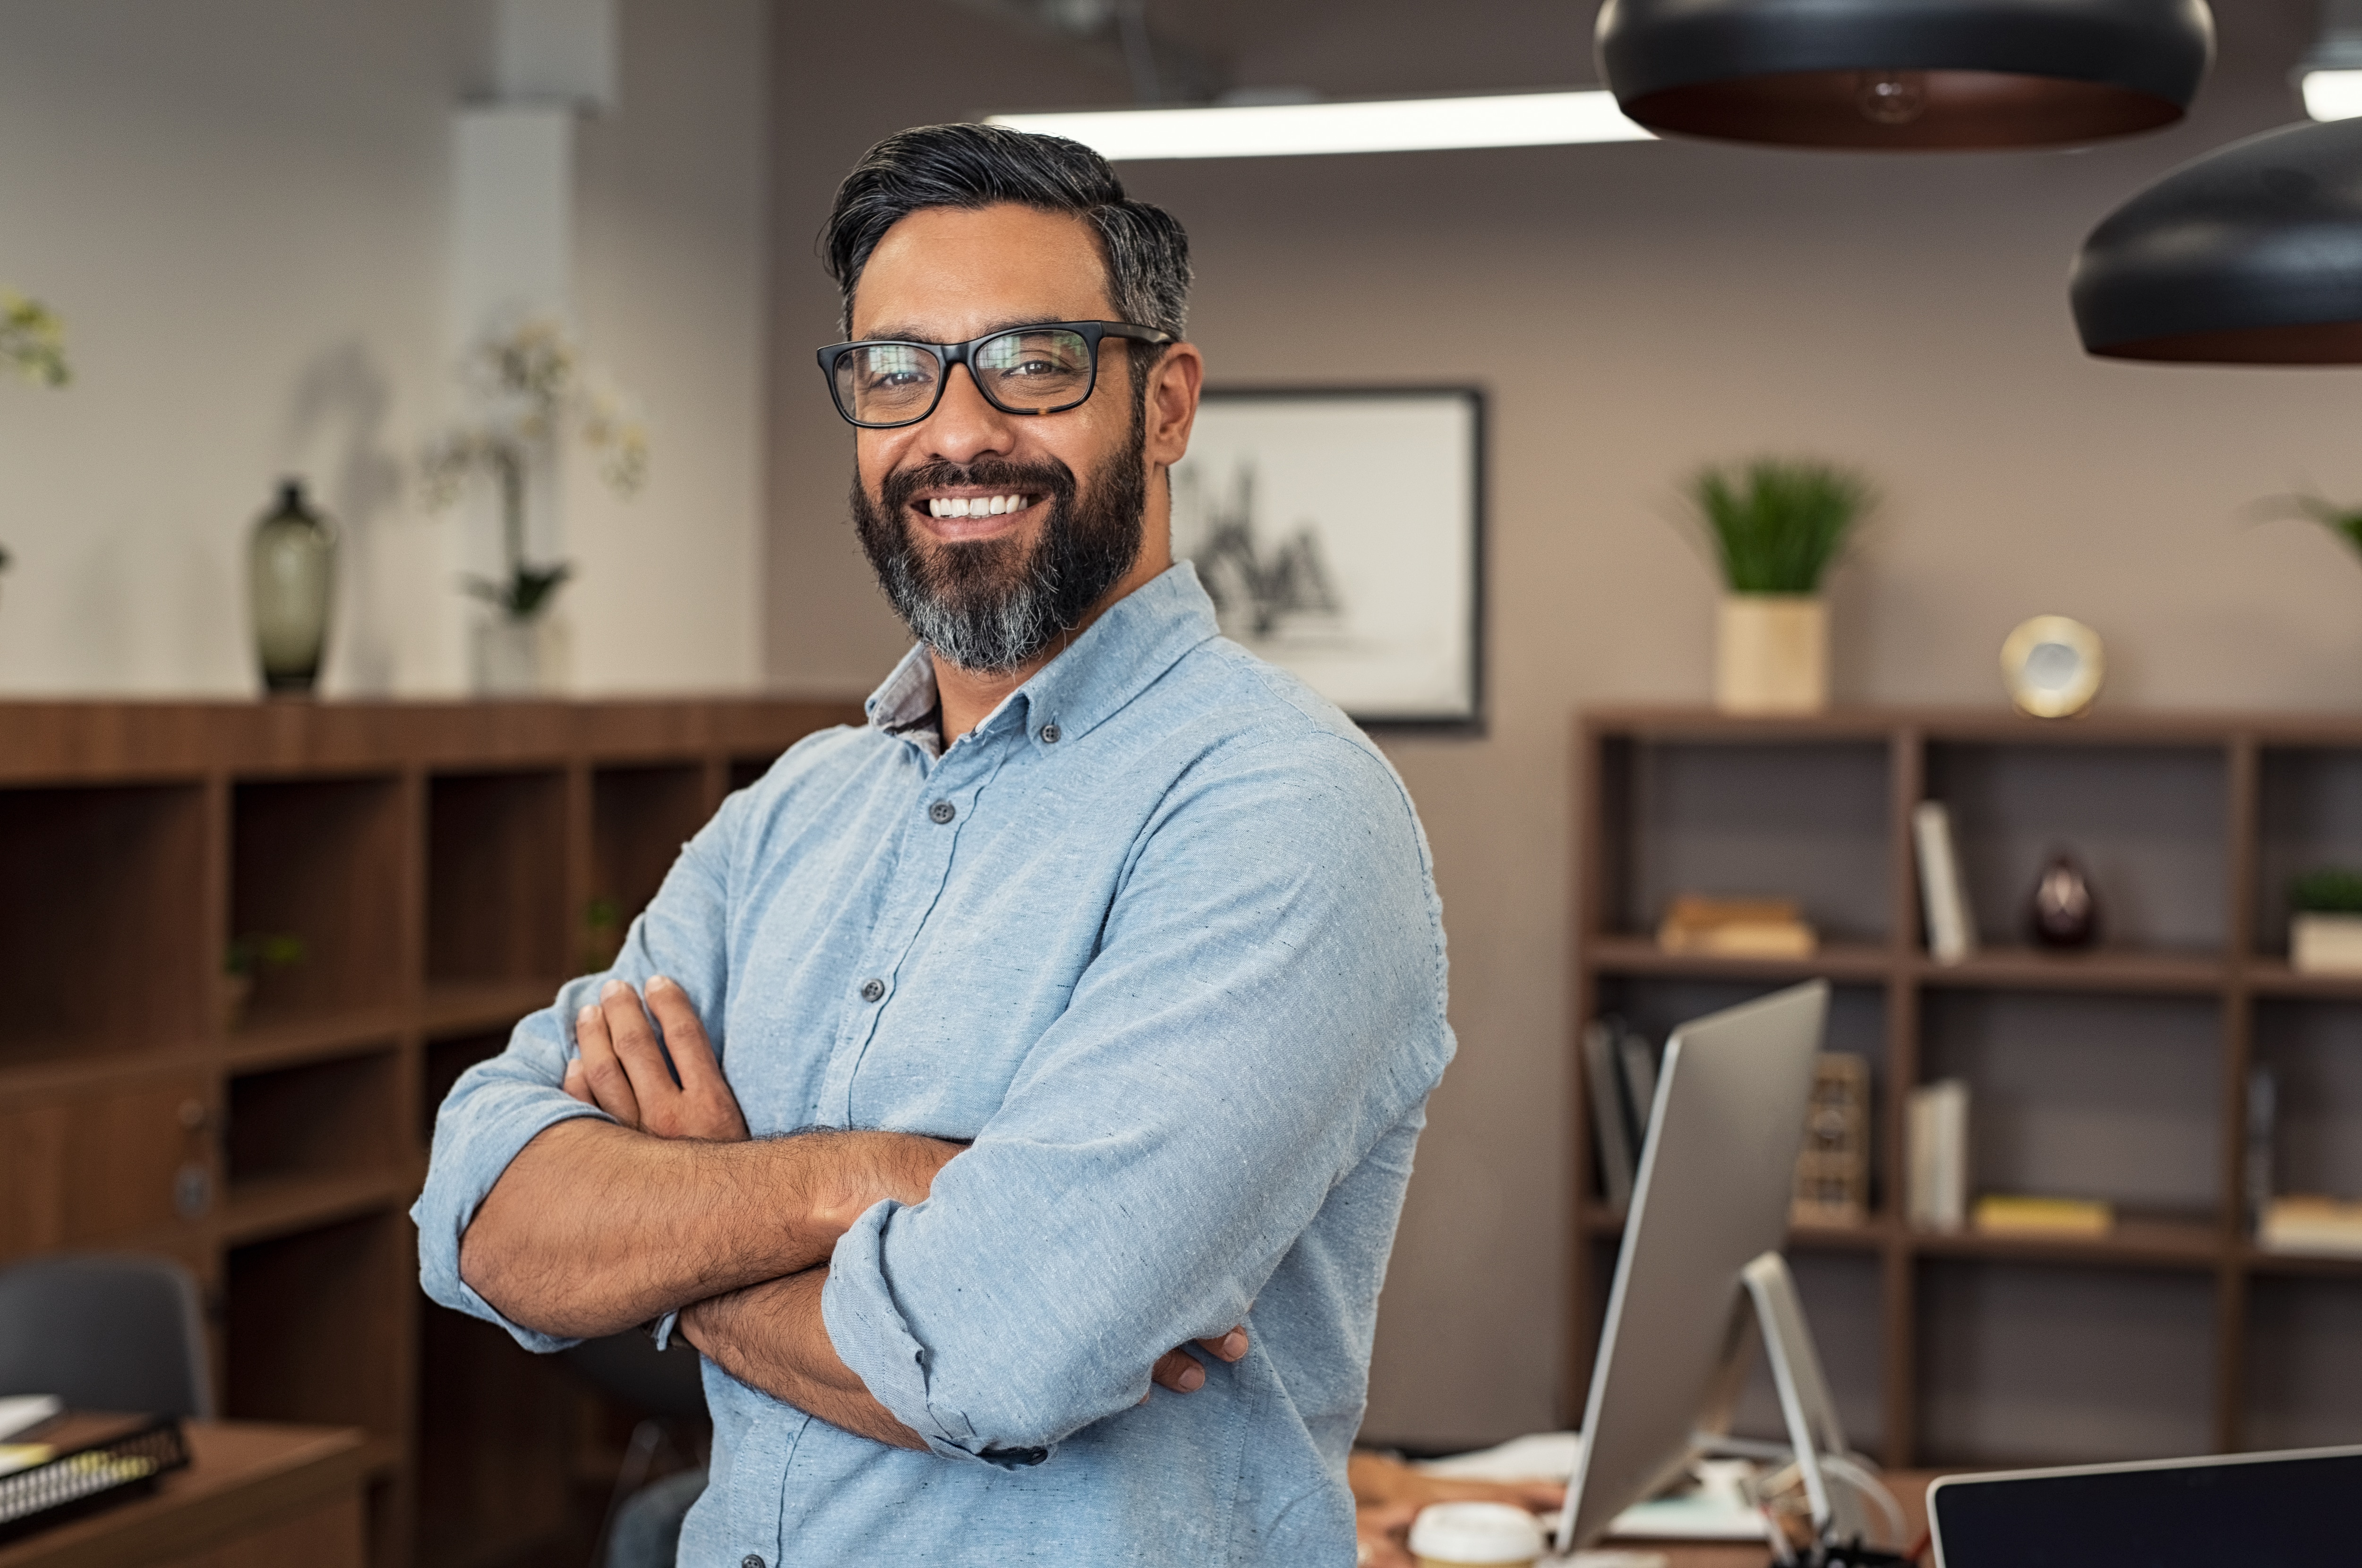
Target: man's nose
964,426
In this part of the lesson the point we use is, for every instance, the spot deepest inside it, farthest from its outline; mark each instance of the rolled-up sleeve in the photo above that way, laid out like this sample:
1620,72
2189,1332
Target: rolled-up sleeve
1265,1005
501,1104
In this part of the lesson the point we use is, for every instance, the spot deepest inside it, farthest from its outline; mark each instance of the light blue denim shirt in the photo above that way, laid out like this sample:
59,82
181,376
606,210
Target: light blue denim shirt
1160,937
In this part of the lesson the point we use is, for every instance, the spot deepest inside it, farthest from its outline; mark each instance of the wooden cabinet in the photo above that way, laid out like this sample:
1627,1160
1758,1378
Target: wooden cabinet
403,881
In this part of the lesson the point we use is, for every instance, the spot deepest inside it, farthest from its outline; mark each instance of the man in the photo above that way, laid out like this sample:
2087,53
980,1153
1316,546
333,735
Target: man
1083,1005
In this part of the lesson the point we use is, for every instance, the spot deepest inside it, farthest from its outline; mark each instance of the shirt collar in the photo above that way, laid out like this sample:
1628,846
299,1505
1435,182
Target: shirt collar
1141,635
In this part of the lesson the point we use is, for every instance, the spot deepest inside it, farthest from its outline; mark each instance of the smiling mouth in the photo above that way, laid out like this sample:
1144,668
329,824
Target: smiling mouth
974,505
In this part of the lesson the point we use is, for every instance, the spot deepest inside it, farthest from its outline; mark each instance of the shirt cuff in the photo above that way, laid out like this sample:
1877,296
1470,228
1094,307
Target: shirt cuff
856,1307
457,1183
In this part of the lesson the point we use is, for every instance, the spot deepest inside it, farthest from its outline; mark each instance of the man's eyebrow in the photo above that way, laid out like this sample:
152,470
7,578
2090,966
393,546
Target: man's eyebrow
904,332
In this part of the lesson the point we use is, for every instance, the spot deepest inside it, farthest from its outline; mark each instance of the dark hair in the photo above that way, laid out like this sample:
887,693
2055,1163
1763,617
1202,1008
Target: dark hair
973,166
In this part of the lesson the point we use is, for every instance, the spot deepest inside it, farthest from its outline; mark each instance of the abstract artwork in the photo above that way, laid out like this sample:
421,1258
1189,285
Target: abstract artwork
1341,536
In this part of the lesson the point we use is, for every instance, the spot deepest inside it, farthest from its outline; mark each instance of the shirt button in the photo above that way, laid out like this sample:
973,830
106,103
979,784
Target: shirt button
1050,734
872,989
942,811
750,1561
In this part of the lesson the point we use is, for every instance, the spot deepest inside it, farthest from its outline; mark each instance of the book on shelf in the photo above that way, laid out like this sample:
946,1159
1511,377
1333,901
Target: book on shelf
1611,1137
1833,1166
2300,1223
2019,1214
1951,928
1936,1154
1736,928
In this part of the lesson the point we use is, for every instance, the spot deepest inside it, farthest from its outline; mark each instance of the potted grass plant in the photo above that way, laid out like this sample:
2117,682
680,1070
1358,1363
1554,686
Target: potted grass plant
1776,525
2325,927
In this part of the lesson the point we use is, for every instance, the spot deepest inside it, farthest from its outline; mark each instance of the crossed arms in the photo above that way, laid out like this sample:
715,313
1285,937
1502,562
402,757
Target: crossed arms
596,1226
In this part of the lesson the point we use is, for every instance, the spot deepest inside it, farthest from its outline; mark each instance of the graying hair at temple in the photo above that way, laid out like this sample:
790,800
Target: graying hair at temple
974,166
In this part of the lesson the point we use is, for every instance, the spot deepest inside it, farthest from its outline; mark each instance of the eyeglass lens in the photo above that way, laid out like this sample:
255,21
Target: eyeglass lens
1030,372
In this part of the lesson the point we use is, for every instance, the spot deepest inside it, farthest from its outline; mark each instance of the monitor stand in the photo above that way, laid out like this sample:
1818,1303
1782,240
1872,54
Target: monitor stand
1772,1311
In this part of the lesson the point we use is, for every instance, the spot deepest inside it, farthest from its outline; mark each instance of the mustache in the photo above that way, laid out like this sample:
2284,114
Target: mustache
1052,479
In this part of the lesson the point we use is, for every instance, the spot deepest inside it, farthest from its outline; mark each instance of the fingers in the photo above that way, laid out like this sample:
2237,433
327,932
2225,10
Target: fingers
684,1034
636,1046
1179,1371
574,1083
1229,1346
610,1086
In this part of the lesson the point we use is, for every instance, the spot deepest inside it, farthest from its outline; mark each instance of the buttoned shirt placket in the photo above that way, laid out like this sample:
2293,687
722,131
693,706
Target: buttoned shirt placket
949,788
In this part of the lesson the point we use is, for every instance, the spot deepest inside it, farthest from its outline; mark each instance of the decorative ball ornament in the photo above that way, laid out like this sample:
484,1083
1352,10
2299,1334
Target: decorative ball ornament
1905,74
2052,666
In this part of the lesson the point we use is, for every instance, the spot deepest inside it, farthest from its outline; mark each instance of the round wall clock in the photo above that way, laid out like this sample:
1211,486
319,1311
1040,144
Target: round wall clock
2052,666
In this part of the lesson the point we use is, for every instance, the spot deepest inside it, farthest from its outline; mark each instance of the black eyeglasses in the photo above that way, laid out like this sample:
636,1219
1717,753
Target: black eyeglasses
1046,369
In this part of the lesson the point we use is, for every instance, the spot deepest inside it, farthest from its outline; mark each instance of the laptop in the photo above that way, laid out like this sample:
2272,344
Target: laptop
2298,1509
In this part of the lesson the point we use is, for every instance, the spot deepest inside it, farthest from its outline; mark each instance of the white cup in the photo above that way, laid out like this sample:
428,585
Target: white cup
1476,1535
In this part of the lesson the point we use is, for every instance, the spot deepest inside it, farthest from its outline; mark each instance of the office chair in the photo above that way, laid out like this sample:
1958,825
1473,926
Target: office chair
105,1331
667,1390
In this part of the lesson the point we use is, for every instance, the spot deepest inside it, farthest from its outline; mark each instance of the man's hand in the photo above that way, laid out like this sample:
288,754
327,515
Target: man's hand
619,1065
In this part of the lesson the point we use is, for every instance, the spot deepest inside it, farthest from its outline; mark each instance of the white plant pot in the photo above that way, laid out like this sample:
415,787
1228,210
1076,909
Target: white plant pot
1771,655
2325,943
523,658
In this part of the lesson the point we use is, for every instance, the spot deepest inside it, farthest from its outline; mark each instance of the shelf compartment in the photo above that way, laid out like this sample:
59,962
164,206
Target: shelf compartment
323,1118
2023,1364
496,879
2308,815
2304,1363
319,860
2115,1097
510,1481
1768,818
106,904
2314,1050
342,1272
745,772
2097,969
2147,823
640,818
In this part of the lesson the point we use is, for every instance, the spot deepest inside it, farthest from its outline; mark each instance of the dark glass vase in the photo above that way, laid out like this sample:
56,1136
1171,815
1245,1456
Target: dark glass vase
291,576
2064,911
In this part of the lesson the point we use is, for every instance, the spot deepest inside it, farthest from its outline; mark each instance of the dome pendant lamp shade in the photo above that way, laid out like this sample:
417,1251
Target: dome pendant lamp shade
2251,255
1912,75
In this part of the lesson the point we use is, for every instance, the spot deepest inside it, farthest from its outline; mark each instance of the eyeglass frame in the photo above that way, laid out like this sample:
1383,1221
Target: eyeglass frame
955,354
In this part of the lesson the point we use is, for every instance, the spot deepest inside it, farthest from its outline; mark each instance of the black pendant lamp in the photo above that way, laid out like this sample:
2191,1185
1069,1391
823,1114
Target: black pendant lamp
2251,255
1905,74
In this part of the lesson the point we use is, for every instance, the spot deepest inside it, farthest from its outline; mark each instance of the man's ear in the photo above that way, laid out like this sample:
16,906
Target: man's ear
1174,388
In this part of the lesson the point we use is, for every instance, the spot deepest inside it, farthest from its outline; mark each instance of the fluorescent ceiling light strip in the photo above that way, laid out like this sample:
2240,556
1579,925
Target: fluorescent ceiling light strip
1402,124
2333,94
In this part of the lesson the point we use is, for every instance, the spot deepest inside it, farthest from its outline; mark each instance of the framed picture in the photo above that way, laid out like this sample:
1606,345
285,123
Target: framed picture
1340,532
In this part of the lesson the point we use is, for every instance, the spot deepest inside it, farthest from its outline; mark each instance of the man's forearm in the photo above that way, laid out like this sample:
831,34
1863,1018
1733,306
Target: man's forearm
771,1337
594,1227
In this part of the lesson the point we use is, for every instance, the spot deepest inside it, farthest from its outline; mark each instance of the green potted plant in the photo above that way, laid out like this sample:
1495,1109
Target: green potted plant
2325,930
1776,526
32,344
533,394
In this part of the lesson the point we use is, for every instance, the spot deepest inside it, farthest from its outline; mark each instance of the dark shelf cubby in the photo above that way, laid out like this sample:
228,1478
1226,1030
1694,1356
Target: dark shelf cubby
318,861
496,879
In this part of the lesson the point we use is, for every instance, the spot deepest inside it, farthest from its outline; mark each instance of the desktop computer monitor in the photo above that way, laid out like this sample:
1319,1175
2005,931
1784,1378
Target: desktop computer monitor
1716,1172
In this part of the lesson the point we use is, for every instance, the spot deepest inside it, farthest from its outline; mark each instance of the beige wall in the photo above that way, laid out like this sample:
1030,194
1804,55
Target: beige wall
1635,310
242,209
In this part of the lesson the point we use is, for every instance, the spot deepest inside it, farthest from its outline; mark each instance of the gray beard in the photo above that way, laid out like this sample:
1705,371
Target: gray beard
995,606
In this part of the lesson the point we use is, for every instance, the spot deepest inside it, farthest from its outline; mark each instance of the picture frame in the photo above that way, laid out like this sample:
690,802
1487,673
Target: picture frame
1340,532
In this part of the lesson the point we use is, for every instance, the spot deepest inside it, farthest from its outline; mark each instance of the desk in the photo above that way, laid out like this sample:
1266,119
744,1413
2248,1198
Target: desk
253,1496
1909,1486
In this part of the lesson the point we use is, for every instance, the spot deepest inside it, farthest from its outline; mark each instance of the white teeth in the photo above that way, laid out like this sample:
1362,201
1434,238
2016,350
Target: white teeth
982,506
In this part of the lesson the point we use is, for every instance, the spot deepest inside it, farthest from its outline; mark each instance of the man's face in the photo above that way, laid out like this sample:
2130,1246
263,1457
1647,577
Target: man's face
1054,503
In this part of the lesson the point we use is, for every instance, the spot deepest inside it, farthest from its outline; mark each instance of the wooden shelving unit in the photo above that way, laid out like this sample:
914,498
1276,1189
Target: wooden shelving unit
438,862
2120,1073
